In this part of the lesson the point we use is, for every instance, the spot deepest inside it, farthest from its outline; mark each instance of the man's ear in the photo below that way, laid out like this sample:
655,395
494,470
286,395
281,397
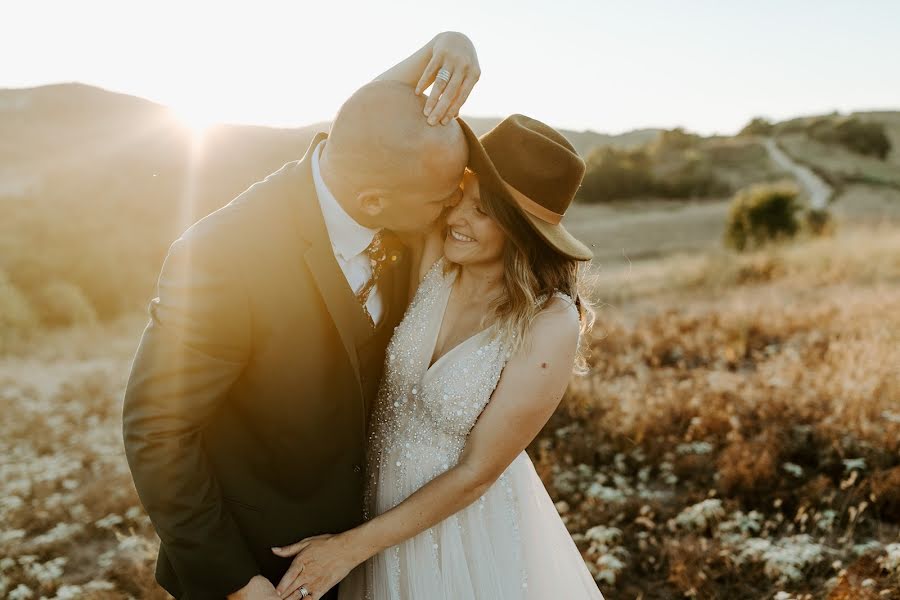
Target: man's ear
371,202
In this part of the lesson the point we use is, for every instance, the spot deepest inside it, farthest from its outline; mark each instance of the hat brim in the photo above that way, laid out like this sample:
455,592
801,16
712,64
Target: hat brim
556,236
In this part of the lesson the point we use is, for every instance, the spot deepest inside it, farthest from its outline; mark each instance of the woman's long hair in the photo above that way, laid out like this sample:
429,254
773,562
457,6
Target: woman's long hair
532,269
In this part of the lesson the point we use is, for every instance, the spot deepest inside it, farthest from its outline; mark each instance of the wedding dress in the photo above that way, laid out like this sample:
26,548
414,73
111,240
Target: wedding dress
510,543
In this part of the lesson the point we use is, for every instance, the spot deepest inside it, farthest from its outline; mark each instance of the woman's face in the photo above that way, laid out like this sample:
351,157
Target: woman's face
472,236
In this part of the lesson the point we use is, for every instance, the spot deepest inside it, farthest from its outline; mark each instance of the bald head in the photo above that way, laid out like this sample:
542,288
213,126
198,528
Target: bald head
381,133
385,164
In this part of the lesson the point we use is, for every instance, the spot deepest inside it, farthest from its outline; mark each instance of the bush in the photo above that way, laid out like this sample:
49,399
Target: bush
674,140
818,222
60,303
862,137
758,126
613,173
671,167
762,213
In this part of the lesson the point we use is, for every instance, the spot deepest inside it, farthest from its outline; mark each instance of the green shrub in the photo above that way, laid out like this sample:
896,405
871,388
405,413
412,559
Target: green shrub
671,167
674,140
60,304
757,126
856,135
613,173
818,222
762,213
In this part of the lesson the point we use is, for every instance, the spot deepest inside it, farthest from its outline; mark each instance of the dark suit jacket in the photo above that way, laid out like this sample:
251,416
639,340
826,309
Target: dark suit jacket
245,414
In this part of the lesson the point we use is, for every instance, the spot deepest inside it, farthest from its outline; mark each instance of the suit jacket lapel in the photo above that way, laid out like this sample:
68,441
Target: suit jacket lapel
346,313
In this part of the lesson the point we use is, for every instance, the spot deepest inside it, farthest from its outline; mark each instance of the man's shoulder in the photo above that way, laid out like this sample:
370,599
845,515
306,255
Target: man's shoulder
255,208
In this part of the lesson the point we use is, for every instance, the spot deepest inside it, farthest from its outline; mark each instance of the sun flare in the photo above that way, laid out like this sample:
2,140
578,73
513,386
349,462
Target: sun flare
195,119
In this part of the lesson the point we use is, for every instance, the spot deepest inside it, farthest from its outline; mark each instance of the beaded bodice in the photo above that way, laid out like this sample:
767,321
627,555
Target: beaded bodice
423,414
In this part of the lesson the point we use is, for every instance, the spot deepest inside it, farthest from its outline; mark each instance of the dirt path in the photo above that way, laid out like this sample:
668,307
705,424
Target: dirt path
819,192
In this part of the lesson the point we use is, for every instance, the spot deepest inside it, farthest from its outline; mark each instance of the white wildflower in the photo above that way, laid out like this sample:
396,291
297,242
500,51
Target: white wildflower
62,531
742,523
48,571
890,562
608,569
852,464
69,592
109,521
784,559
22,592
99,584
825,519
866,547
701,515
792,468
11,535
606,536
694,448
604,493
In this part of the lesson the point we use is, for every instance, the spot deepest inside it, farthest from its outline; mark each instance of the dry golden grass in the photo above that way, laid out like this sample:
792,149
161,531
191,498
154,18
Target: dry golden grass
741,426
737,436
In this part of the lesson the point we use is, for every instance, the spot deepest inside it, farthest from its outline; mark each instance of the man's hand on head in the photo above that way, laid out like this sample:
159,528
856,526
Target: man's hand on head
454,71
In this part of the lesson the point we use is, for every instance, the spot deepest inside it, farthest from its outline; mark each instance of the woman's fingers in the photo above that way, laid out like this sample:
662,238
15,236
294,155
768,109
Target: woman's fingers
429,73
289,581
464,90
439,105
290,549
436,90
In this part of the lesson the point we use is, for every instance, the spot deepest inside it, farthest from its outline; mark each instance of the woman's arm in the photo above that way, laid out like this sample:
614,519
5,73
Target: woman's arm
449,50
529,390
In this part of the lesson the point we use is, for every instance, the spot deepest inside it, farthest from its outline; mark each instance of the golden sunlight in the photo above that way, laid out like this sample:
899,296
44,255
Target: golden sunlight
197,119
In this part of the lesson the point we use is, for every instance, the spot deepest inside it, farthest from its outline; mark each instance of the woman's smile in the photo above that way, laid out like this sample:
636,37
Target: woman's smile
459,237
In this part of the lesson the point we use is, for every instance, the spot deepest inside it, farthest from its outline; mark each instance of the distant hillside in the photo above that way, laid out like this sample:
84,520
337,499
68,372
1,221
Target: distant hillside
95,185
584,141
51,130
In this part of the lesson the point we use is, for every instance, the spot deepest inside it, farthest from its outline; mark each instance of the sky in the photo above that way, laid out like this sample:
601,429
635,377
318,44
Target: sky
609,66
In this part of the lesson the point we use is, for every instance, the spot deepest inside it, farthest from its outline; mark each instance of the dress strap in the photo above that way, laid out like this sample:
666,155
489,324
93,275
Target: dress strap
559,294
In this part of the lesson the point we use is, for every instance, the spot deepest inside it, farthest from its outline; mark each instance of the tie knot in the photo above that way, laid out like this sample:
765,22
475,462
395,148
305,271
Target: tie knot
375,250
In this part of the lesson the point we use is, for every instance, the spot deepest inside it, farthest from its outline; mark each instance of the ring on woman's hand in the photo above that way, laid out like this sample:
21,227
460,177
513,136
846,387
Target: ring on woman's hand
444,75
303,591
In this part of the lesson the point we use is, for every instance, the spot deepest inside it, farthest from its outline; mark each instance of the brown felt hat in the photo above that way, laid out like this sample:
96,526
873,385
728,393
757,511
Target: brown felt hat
537,169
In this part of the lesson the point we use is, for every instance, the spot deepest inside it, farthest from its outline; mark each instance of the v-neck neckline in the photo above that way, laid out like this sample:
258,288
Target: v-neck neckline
448,290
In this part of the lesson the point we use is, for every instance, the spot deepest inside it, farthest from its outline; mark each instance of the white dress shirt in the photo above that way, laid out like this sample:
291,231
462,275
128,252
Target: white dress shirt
349,240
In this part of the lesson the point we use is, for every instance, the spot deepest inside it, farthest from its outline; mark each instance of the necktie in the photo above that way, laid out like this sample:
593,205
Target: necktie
377,255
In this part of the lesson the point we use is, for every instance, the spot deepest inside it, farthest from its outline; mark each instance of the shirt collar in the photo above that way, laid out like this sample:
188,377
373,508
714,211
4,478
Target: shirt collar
348,238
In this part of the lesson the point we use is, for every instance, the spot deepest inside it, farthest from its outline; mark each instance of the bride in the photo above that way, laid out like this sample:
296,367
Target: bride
480,361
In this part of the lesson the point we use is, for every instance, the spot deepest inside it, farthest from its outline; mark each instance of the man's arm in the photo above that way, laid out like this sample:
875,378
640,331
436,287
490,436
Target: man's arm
193,349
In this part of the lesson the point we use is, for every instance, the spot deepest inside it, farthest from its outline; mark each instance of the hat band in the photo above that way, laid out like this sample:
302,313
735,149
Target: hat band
530,206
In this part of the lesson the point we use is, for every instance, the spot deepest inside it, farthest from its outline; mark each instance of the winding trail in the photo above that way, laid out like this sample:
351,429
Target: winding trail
819,192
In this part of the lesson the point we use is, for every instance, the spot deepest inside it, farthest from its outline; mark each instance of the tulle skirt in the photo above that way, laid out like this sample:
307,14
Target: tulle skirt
509,544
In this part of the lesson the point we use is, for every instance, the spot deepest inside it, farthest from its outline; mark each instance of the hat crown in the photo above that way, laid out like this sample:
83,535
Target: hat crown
536,160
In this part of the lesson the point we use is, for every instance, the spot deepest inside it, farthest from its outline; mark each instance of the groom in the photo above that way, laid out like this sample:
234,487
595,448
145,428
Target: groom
245,413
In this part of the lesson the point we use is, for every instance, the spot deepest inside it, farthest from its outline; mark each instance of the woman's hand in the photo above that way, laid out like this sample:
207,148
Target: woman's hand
455,54
320,562
452,51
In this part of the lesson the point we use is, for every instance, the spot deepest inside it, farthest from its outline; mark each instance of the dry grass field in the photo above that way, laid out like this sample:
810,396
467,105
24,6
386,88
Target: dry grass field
738,436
